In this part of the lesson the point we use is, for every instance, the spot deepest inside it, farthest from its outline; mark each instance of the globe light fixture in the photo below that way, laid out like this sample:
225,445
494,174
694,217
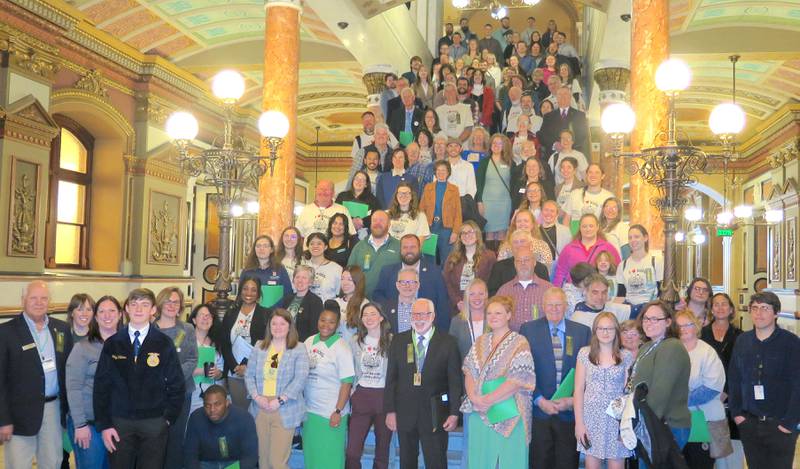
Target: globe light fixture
773,216
252,207
274,126
228,85
726,118
673,76
237,210
182,126
698,238
724,218
680,236
530,3
499,12
460,3
693,213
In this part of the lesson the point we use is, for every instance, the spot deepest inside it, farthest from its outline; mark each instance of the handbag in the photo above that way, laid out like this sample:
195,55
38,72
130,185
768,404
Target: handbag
720,445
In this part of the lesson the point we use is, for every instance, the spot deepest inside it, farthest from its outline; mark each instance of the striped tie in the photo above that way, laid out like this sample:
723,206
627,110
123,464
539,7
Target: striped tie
136,345
558,353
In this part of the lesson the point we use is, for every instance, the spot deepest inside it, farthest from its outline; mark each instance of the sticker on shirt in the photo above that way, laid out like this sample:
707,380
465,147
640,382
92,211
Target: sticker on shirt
29,346
153,360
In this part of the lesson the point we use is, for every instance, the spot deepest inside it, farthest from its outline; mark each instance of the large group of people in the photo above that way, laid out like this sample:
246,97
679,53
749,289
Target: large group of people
474,273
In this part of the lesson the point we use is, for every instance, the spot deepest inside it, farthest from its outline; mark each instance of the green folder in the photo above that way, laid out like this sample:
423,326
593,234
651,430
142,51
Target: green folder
503,410
699,432
429,246
205,355
235,465
405,137
356,209
574,226
567,386
270,294
66,443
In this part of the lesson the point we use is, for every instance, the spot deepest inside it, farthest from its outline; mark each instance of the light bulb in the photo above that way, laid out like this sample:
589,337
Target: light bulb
724,218
530,3
680,236
460,3
693,213
618,118
699,238
726,119
182,125
237,210
743,211
273,124
228,85
673,75
252,207
773,216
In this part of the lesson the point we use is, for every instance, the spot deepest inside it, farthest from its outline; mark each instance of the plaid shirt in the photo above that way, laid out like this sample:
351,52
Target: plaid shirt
292,373
422,173
527,300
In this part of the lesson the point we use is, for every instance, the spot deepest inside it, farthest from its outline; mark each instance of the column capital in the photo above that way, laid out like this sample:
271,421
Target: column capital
374,79
613,80
283,3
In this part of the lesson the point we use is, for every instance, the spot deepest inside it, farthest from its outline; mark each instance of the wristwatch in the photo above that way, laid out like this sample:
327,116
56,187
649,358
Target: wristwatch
338,410
281,401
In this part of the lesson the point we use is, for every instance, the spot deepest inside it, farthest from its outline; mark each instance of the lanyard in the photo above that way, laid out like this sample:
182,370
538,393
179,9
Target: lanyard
41,346
414,344
494,349
635,365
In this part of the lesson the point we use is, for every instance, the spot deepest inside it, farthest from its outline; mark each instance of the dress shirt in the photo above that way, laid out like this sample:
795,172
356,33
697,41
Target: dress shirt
142,333
462,174
403,316
409,119
560,328
526,298
47,351
373,242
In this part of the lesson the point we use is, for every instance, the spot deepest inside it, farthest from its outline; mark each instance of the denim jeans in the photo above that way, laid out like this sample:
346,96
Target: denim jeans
93,457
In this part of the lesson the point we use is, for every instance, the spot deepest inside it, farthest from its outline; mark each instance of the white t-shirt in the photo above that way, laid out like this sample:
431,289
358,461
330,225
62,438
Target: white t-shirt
327,279
329,363
640,277
370,365
344,330
511,119
563,196
618,236
453,119
407,225
621,311
313,219
582,201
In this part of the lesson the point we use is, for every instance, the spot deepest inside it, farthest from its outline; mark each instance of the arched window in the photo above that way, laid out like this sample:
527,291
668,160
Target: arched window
70,196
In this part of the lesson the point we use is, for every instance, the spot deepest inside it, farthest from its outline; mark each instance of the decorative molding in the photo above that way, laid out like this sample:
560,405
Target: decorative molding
27,120
163,233
92,82
48,12
788,152
27,53
791,251
775,253
23,208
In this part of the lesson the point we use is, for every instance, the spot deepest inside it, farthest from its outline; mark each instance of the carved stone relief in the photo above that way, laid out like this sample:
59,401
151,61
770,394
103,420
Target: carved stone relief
22,233
775,252
791,251
163,229
92,82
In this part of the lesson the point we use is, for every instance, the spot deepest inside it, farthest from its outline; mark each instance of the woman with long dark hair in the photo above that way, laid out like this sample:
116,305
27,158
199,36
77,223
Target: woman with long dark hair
80,311
613,227
352,298
698,299
290,249
210,363
361,192
493,179
639,276
340,240
327,274
405,217
263,262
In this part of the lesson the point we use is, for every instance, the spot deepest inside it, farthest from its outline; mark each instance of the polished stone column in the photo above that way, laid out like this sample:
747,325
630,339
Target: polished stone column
649,47
281,80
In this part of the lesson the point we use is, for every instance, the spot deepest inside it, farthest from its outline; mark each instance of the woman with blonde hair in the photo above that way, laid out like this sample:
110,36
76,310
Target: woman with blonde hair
533,201
493,180
275,381
468,260
523,220
423,88
470,323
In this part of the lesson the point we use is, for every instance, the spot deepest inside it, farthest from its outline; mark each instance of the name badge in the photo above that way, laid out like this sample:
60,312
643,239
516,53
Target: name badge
522,190
758,392
49,365
271,282
29,346
417,379
410,354
60,342
569,345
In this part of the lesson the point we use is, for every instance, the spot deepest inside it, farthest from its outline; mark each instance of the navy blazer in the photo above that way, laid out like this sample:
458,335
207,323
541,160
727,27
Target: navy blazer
431,286
22,377
538,334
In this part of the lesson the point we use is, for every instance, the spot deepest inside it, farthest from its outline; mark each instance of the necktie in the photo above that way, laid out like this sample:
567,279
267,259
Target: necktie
564,114
136,344
421,351
558,353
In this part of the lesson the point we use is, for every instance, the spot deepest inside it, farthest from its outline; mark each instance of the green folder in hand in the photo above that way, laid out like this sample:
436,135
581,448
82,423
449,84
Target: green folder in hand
503,410
356,209
567,386
270,295
699,432
235,465
66,443
429,246
405,138
205,355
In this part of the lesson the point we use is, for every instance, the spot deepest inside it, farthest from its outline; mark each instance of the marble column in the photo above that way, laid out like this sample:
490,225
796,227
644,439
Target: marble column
649,47
281,81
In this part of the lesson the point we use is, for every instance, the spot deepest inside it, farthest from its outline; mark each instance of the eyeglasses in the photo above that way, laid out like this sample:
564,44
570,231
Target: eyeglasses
686,326
274,361
606,330
423,314
172,302
407,283
652,320
700,289
761,308
404,194
468,233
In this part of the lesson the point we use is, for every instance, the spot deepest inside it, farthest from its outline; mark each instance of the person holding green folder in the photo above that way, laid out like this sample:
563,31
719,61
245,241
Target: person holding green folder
210,363
262,262
499,380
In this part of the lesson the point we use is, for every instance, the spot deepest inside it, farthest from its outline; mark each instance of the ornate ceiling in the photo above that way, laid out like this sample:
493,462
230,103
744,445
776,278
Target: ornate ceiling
765,33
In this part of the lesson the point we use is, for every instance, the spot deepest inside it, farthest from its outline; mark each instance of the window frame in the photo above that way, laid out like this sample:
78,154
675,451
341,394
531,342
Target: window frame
58,174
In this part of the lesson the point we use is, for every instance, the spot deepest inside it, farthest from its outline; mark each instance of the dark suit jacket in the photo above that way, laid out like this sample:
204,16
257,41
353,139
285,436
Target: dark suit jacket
148,387
552,126
398,121
431,286
504,271
538,334
258,327
441,374
308,315
396,104
22,377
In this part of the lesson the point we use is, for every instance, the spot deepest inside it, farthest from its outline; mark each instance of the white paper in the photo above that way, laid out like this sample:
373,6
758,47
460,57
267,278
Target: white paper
241,349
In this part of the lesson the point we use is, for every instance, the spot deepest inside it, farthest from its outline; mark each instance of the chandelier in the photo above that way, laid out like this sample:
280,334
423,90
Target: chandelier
498,10
233,169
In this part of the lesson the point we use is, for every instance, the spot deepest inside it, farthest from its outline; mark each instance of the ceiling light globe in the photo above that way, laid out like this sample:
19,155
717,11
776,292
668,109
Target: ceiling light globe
228,85
693,214
530,3
743,211
699,238
237,210
673,75
726,119
499,12
460,3
618,118
273,124
252,207
773,215
182,125
680,236
724,218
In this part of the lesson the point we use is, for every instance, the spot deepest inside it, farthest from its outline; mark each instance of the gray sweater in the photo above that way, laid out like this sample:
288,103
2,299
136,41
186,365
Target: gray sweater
81,366
186,348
